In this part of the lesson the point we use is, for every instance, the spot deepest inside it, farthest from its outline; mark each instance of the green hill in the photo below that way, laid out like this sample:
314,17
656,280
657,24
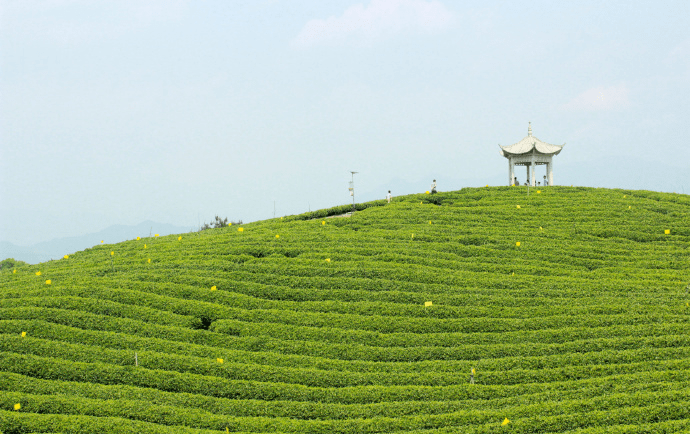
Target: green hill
323,325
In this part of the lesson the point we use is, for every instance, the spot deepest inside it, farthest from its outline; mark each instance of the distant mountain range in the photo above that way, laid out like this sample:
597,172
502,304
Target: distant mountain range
57,248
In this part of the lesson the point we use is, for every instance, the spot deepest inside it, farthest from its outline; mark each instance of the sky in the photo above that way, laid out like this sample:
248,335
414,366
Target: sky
117,112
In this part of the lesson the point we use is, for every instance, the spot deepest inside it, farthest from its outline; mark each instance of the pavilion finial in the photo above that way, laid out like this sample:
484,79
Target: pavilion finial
529,129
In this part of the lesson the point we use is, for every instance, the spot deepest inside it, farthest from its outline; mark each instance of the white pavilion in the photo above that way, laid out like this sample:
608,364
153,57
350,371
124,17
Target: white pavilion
530,152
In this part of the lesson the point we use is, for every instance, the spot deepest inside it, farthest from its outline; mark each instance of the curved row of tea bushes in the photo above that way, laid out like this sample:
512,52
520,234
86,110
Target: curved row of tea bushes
501,397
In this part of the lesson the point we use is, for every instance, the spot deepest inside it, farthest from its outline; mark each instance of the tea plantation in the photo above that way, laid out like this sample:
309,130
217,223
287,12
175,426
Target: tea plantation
571,305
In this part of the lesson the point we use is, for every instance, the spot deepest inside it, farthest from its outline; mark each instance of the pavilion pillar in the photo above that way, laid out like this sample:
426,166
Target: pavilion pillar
549,170
533,166
511,171
532,179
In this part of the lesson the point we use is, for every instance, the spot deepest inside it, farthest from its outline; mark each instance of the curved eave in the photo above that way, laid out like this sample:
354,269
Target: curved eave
536,152
530,145
523,154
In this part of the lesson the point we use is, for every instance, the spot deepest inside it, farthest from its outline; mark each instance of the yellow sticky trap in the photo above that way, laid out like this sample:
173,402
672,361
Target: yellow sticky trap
14,271
219,360
149,260
472,371
513,273
517,244
429,221
667,231
412,236
323,222
227,430
505,422
427,192
281,218
179,238
112,253
541,228
487,185
427,303
101,241
144,245
138,238
538,191
48,282
277,236
230,224
328,259
624,196
38,273
518,207
66,256
240,229
23,334
213,288
17,406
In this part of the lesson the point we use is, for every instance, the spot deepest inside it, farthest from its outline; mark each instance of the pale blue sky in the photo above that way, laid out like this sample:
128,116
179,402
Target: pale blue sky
116,112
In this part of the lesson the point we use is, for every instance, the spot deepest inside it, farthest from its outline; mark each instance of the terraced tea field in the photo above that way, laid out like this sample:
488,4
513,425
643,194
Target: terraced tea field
571,305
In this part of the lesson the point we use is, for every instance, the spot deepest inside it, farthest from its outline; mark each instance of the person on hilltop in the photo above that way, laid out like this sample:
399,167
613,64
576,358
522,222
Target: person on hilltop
388,196
545,181
515,181
433,187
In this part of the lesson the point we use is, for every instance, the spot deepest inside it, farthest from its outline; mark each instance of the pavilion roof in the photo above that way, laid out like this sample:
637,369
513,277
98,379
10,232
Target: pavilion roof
529,143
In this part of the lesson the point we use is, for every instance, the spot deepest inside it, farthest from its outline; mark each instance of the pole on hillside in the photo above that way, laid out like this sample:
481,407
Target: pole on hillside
136,359
352,189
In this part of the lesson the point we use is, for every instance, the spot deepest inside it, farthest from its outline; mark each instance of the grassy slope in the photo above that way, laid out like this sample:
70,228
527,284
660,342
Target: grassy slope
582,327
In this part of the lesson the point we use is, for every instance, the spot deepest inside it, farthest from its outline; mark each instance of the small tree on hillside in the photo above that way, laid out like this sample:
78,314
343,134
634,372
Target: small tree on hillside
11,263
218,223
